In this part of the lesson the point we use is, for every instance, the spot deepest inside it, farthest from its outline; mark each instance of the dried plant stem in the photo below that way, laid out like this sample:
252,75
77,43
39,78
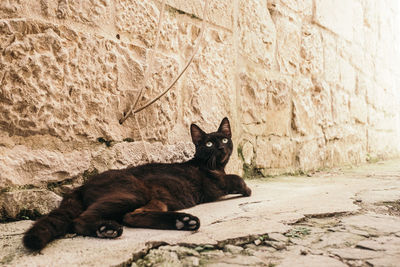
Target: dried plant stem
195,49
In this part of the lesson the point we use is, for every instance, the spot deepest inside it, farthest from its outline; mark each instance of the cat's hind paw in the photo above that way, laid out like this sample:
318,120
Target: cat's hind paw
187,222
109,229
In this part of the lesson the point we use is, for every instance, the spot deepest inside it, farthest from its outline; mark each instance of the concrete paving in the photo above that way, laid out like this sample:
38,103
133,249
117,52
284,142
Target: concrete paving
340,217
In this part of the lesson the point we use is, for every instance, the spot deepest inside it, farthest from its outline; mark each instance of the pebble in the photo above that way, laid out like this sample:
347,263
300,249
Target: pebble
257,242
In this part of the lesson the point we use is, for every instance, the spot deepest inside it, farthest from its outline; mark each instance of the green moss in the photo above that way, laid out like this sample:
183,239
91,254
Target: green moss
16,188
26,214
372,159
298,232
88,174
250,171
108,143
52,185
7,259
240,152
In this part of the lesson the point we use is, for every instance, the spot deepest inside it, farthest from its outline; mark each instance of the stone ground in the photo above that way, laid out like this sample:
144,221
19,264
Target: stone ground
341,217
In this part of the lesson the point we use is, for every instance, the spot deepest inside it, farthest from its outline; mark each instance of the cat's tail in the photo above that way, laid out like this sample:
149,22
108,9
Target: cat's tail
55,224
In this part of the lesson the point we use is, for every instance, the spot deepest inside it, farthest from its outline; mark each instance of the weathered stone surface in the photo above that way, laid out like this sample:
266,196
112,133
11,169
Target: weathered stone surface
257,32
273,154
16,205
337,16
124,154
306,105
265,103
381,223
219,12
55,82
311,154
312,261
311,51
288,43
137,20
233,249
210,100
331,58
94,13
354,253
24,166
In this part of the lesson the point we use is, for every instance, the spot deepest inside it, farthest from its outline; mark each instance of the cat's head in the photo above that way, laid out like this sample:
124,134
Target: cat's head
213,149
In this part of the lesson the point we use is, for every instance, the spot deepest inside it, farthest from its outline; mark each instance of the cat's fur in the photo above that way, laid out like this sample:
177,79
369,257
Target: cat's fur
145,196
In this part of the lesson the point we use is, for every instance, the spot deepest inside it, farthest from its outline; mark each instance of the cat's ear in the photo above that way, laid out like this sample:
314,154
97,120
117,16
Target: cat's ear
197,133
225,127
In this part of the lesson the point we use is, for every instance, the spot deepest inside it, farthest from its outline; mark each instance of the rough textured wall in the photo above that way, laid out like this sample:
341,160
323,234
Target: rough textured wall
306,84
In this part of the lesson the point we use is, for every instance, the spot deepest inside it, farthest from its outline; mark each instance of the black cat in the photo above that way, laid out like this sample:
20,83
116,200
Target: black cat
145,196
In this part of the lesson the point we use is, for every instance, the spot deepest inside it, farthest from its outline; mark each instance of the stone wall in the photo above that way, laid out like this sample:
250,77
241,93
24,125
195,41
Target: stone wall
306,84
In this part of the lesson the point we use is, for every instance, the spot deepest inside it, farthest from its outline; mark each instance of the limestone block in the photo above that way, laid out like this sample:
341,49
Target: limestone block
21,165
92,12
207,93
380,120
370,14
265,103
157,120
274,154
247,152
311,154
288,40
60,82
257,33
340,106
355,55
219,12
380,143
311,51
358,109
371,40
375,95
387,24
320,95
383,75
137,20
337,16
340,152
14,9
128,154
306,107
347,76
331,58
302,7
345,143
36,201
358,22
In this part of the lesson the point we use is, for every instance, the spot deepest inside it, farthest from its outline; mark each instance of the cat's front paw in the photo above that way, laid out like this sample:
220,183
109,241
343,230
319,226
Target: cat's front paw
109,229
246,192
187,222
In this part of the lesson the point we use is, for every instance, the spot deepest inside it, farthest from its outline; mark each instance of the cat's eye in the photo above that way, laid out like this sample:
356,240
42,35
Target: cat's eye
225,140
209,144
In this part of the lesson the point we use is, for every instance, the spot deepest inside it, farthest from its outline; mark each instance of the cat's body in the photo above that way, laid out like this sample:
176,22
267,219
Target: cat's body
145,196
